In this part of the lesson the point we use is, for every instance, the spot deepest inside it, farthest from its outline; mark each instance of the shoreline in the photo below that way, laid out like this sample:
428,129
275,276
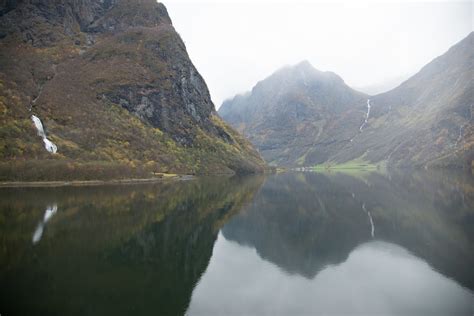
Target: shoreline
32,184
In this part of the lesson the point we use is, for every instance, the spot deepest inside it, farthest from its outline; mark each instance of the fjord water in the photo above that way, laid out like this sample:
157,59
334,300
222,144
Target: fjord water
399,243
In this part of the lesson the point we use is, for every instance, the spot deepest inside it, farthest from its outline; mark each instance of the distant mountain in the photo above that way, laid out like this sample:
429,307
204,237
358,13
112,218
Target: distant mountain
426,121
294,111
112,89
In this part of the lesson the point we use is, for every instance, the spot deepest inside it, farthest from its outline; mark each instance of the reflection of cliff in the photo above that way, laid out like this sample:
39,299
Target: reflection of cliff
113,250
303,222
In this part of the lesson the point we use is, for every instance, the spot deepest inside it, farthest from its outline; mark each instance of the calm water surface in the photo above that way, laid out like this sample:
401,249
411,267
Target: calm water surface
286,244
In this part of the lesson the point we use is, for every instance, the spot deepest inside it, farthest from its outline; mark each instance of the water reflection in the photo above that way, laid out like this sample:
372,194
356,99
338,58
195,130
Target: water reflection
304,222
294,243
305,246
48,214
377,278
371,221
112,250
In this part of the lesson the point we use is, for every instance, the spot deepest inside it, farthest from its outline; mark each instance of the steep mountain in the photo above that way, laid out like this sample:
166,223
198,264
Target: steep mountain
426,121
298,115
108,86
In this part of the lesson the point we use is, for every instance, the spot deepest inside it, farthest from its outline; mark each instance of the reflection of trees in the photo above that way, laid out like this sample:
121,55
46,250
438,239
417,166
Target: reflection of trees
119,249
303,222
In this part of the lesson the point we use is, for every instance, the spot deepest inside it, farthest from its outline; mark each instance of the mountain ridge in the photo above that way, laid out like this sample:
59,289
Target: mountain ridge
307,99
425,121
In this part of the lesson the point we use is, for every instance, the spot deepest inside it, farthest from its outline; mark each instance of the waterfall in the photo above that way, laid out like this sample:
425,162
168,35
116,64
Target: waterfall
366,116
49,145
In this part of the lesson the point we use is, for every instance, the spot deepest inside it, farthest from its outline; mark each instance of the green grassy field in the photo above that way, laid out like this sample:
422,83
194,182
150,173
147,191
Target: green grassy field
347,166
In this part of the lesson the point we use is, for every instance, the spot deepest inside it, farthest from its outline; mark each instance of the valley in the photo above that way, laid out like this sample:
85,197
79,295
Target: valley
126,190
424,122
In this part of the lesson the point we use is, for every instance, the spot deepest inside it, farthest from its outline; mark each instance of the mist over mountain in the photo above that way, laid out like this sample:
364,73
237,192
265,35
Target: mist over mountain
109,83
294,111
383,86
296,119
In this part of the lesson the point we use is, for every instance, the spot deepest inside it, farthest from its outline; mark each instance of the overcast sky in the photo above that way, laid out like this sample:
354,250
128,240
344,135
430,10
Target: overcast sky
235,44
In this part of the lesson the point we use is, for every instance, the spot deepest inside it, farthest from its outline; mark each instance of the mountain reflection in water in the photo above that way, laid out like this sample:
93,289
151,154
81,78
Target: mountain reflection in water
378,278
292,243
306,245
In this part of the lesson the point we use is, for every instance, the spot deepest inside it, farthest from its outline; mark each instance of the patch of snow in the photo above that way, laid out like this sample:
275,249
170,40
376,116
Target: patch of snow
49,145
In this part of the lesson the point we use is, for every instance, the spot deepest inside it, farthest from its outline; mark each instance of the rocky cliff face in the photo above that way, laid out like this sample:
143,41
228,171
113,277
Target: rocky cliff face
426,121
298,115
111,82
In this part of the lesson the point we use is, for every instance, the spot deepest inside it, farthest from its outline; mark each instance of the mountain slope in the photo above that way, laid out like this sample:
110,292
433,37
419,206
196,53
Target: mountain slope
292,115
426,121
113,85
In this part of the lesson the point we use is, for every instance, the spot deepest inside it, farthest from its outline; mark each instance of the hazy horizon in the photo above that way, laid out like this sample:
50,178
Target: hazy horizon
235,45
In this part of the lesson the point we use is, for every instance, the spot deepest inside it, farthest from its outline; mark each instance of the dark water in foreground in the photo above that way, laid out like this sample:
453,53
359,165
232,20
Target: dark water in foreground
287,244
